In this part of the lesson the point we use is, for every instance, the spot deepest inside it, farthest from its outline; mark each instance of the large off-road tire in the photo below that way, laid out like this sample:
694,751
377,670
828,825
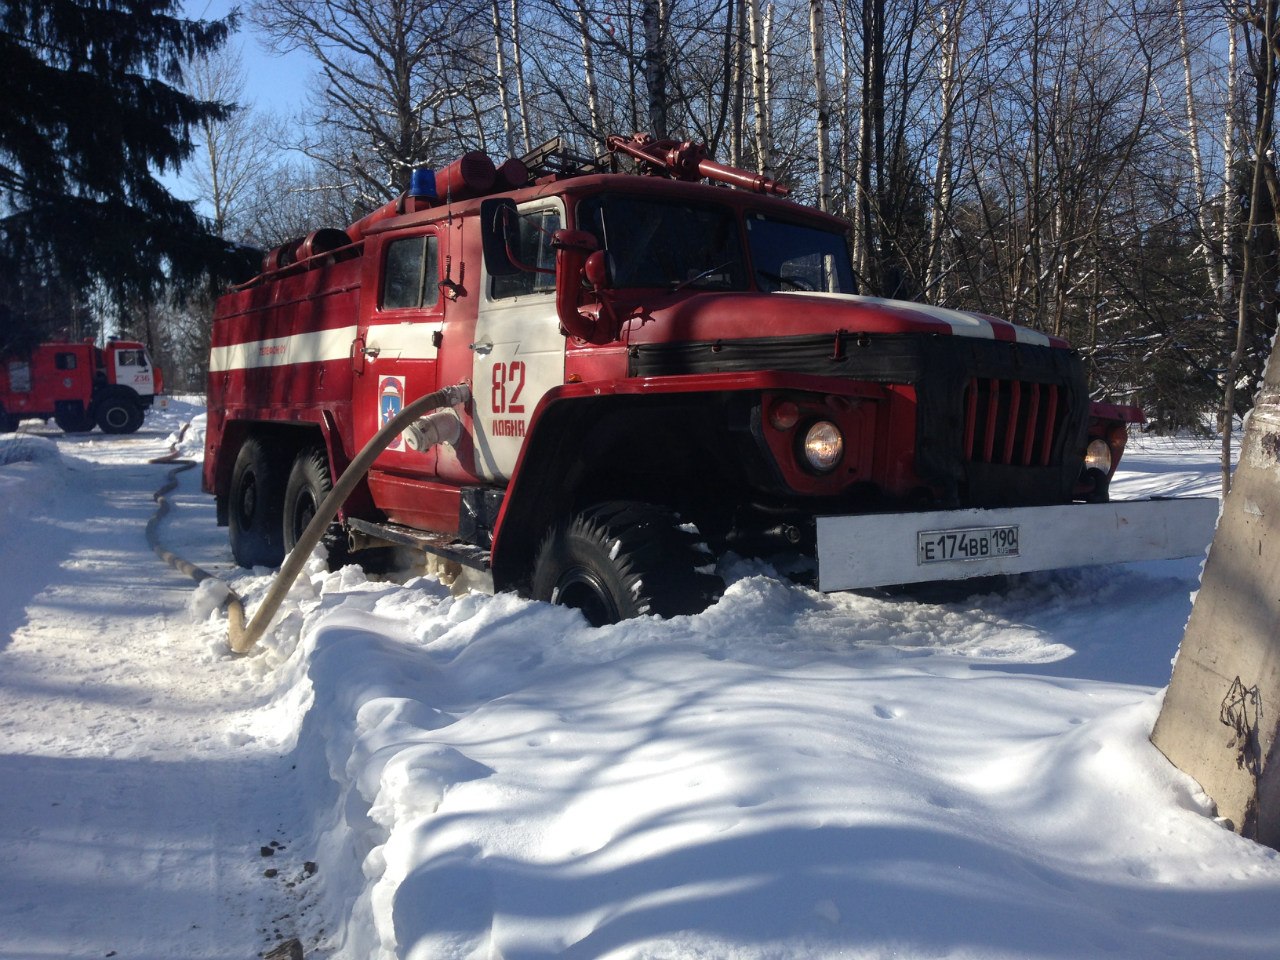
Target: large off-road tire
73,420
255,513
309,483
118,413
622,559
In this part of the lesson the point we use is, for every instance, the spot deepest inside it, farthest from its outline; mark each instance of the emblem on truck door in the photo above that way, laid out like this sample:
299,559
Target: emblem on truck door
390,402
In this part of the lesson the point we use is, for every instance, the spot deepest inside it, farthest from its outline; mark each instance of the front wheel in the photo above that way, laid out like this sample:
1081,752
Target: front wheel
118,414
256,506
619,560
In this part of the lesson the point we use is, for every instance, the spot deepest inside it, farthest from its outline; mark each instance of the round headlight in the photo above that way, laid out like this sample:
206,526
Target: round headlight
823,446
1098,456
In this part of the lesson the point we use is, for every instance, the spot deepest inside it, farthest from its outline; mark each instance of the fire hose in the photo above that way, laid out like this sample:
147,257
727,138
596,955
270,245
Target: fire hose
424,431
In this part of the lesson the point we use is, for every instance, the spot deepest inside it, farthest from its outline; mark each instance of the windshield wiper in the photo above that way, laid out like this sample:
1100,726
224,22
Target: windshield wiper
702,276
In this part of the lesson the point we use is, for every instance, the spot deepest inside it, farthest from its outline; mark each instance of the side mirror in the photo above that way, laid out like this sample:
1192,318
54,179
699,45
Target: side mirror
500,236
598,271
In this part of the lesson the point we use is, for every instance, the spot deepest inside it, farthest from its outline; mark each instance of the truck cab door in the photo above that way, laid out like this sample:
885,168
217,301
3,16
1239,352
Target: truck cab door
518,349
131,368
398,342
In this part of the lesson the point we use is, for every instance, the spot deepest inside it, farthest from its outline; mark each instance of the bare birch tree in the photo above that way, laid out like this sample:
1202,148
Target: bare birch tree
760,87
231,155
818,45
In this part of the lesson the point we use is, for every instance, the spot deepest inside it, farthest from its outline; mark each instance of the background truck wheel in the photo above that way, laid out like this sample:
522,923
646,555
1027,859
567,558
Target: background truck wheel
116,413
73,421
256,507
619,560
309,483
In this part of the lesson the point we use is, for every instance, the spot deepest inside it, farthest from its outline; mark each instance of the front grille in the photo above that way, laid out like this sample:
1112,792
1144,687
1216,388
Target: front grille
1010,422
998,423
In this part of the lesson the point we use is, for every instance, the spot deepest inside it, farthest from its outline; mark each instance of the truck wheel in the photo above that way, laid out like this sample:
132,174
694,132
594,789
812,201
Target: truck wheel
73,421
309,483
256,507
619,560
118,414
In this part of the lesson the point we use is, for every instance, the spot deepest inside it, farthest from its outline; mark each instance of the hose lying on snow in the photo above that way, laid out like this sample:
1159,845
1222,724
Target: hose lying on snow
241,636
233,604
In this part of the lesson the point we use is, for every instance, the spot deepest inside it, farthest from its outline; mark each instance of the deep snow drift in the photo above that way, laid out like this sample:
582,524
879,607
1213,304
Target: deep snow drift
958,772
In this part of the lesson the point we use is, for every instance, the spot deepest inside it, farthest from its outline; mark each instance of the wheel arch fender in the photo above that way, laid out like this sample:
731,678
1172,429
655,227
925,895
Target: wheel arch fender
660,448
106,391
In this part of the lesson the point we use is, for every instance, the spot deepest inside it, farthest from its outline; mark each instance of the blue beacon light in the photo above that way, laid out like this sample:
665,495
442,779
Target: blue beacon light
423,183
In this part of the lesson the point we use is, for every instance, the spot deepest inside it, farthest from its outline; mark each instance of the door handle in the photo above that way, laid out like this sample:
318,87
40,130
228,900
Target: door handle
481,346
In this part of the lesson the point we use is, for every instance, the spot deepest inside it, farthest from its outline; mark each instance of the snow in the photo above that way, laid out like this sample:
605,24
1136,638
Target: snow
959,771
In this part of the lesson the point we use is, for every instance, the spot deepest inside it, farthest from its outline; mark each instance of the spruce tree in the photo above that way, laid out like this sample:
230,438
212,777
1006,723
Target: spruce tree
92,114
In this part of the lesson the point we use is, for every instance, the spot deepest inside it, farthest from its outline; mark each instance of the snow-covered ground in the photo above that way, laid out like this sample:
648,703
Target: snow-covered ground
399,772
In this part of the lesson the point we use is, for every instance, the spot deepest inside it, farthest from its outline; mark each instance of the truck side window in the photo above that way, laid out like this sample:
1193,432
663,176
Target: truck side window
19,376
535,251
64,361
410,274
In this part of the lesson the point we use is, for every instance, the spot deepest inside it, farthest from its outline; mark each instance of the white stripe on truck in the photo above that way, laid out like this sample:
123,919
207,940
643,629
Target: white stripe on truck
316,346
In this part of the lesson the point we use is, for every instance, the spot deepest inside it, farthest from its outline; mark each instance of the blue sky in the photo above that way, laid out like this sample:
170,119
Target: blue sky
274,83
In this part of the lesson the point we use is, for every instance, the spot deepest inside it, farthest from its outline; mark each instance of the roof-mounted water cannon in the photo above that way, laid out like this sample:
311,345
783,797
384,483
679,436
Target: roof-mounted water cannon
689,161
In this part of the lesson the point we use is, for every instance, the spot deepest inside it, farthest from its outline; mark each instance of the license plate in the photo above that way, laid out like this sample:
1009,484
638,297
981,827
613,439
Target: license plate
974,543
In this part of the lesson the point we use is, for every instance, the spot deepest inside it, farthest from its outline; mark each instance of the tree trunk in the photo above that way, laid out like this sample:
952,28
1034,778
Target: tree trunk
871,141
1203,217
517,54
500,75
949,84
589,74
1261,144
655,65
740,71
760,91
1229,210
818,44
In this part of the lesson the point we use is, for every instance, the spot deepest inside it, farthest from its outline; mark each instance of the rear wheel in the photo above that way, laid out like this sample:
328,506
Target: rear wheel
621,559
73,419
117,413
256,507
309,483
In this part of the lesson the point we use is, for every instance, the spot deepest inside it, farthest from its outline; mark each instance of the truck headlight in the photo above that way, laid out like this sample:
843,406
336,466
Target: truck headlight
823,446
1098,457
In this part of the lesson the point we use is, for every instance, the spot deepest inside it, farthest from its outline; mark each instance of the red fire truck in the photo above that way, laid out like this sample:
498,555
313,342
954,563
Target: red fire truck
660,370
79,385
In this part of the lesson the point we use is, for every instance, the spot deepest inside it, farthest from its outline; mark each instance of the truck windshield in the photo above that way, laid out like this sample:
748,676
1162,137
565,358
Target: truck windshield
666,243
792,256
678,244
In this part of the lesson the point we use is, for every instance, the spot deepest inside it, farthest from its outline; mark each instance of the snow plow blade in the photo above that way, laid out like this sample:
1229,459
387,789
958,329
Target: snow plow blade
876,550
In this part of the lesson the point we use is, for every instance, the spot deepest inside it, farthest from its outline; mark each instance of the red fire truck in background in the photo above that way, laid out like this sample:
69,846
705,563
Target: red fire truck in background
660,370
78,385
